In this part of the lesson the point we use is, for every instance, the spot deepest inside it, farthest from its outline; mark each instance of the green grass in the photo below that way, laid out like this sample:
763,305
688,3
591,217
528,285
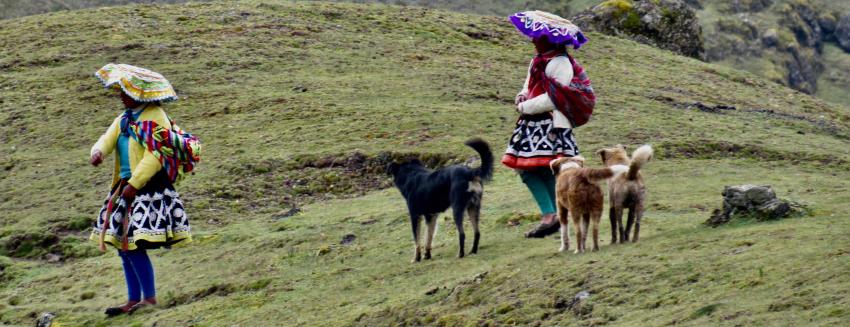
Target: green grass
274,87
17,8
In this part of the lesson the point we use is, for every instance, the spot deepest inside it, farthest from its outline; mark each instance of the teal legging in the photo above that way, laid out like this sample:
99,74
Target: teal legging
541,183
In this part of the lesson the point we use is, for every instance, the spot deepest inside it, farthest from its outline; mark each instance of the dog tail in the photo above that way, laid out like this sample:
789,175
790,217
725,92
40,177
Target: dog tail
598,174
483,149
640,157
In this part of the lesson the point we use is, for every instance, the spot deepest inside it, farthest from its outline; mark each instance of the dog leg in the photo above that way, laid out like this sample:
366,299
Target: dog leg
618,216
630,222
431,220
614,229
577,225
638,215
585,228
458,216
474,213
565,233
414,222
595,218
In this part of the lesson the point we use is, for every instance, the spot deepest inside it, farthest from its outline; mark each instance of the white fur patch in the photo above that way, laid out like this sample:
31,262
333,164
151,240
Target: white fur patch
619,169
643,153
475,187
569,165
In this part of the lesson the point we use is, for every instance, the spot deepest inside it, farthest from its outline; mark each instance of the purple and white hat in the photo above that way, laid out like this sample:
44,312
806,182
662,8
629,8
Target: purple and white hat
558,30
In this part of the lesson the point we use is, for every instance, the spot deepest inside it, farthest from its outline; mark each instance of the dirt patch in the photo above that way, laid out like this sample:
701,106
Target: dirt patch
25,245
822,124
709,108
305,179
712,149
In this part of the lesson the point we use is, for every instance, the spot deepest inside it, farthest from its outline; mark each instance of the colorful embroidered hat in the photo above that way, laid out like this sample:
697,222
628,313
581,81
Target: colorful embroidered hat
140,84
558,30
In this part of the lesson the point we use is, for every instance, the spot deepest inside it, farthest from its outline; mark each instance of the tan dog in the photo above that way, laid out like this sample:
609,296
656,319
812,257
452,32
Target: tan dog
627,190
579,196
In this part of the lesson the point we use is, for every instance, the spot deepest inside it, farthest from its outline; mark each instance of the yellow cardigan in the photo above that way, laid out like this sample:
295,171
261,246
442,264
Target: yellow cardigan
143,163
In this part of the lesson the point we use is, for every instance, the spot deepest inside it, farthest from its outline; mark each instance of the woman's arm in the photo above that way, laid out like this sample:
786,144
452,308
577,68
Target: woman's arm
523,94
106,143
559,69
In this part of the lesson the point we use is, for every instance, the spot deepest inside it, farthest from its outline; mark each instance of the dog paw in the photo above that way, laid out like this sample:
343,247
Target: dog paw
563,248
577,251
427,256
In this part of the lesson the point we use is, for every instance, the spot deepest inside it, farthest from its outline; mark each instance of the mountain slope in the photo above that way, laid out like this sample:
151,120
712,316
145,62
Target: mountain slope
792,42
299,104
17,8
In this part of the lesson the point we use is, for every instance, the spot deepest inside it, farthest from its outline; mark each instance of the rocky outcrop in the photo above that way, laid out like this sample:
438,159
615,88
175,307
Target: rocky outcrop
842,32
667,24
748,5
752,201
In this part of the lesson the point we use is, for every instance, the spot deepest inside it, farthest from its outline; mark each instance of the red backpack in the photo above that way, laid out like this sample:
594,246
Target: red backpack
575,101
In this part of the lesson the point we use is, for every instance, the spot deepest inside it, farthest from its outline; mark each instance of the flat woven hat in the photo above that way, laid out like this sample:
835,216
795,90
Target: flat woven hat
557,29
141,84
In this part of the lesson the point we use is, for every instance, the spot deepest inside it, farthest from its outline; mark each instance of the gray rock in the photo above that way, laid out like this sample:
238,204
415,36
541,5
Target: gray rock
45,320
770,38
827,23
667,24
348,239
752,201
52,258
842,32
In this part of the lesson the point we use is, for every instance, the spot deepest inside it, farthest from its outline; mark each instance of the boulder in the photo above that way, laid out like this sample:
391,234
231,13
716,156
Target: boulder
667,24
752,201
842,32
46,320
738,6
770,38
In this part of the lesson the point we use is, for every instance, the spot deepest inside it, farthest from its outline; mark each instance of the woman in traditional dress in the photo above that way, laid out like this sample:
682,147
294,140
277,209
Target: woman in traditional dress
542,132
142,211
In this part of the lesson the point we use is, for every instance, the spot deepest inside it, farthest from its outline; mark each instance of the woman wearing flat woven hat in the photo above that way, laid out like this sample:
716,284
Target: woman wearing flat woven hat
142,210
555,98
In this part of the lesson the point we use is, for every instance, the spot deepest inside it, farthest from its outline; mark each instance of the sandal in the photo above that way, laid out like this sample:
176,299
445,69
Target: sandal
119,310
542,230
145,303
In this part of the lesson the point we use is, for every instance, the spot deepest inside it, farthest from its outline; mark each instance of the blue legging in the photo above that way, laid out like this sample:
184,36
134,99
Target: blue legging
138,272
541,183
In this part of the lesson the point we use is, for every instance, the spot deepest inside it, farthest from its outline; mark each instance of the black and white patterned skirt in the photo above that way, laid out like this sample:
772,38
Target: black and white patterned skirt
535,142
157,218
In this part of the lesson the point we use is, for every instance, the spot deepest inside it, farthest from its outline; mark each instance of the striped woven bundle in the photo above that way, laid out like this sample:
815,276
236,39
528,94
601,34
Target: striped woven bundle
177,150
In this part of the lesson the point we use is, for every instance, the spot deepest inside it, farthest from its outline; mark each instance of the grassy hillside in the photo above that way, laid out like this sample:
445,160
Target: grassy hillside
299,105
18,8
791,42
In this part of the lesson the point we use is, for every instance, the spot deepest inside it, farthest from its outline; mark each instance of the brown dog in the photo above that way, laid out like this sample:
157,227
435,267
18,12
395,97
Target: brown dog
579,196
626,191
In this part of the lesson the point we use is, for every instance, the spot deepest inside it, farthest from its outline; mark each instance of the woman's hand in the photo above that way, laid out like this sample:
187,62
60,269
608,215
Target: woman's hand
520,98
96,158
129,194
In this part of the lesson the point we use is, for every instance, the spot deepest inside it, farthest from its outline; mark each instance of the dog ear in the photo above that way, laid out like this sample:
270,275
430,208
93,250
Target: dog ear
602,153
555,165
392,168
578,159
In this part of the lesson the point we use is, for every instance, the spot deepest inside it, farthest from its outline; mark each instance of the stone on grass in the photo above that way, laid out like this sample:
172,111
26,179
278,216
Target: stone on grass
752,201
45,320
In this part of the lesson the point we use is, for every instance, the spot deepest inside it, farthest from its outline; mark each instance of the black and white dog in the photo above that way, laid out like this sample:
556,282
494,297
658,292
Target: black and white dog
430,192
